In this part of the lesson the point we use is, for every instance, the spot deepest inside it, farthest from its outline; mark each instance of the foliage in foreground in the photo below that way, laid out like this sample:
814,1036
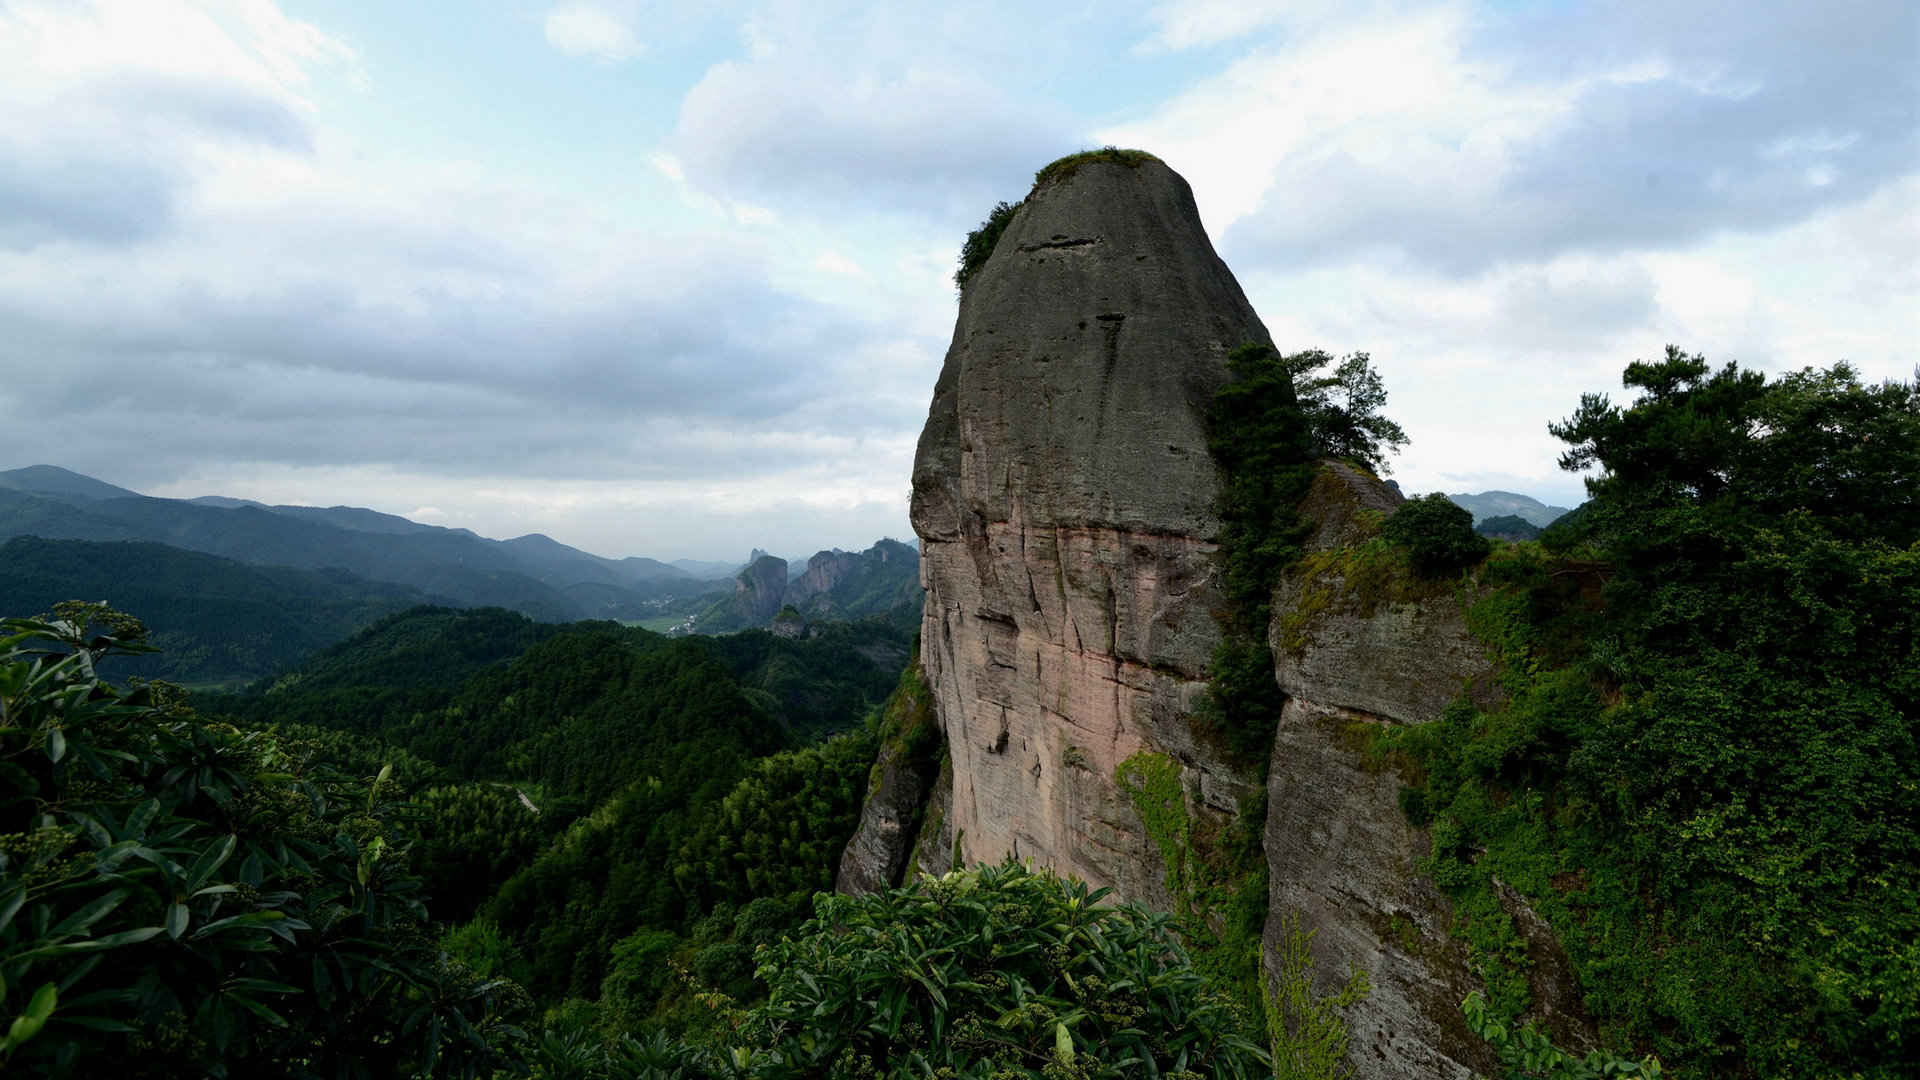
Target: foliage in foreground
179,897
995,971
1526,1053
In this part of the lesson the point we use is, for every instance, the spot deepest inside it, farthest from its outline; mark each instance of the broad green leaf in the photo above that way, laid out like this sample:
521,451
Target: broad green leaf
79,921
211,858
44,1000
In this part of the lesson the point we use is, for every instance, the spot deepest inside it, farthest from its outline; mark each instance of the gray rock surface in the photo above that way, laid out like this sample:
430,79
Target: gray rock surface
1341,855
760,589
933,844
1064,498
825,570
876,857
1343,860
897,789
1398,653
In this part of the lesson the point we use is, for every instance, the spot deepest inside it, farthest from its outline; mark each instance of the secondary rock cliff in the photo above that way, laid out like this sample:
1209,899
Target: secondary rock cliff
1064,499
759,590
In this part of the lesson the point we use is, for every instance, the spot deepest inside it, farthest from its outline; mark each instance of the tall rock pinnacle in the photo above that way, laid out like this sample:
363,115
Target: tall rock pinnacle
1064,498
1065,501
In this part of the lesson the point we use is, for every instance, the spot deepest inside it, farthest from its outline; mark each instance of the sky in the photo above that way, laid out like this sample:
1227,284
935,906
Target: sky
675,280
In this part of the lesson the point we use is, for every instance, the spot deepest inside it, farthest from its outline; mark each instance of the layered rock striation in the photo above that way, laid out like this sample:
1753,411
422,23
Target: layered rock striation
1064,498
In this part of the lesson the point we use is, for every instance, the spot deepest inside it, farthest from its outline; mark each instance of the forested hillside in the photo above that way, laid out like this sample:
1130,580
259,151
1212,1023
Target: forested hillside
592,801
1704,769
639,751
533,574
214,620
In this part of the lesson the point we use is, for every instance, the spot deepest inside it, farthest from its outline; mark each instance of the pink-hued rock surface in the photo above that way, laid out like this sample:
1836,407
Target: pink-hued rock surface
1064,495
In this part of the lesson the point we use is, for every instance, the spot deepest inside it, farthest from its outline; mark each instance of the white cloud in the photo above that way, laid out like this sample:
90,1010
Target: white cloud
834,109
1193,24
338,327
1477,365
833,262
1442,135
591,31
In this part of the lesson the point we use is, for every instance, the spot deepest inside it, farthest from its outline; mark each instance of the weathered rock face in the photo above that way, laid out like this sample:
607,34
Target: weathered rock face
1354,652
825,570
1064,498
846,584
1342,858
760,589
897,790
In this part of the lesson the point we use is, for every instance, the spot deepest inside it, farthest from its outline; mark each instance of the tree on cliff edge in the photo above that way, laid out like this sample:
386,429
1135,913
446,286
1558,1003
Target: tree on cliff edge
1342,407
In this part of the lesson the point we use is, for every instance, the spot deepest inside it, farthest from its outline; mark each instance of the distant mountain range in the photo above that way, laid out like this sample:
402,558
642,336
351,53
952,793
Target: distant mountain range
833,585
233,589
215,620
533,574
1492,504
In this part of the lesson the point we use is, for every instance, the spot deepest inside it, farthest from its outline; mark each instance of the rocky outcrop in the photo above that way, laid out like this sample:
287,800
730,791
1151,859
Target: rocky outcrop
935,844
1359,645
1343,859
760,589
897,789
789,623
1064,498
847,585
825,570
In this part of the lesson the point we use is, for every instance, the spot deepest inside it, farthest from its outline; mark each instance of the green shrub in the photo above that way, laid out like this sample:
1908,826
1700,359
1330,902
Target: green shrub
1437,533
1703,771
1264,447
726,965
185,898
980,242
1062,168
1000,970
1527,1054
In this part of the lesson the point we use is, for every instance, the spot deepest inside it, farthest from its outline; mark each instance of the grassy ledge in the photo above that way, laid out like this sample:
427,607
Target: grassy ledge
1065,167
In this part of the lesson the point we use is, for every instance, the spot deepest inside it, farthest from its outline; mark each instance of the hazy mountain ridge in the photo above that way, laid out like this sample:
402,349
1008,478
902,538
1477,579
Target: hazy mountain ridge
61,483
1491,504
533,574
883,580
215,620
